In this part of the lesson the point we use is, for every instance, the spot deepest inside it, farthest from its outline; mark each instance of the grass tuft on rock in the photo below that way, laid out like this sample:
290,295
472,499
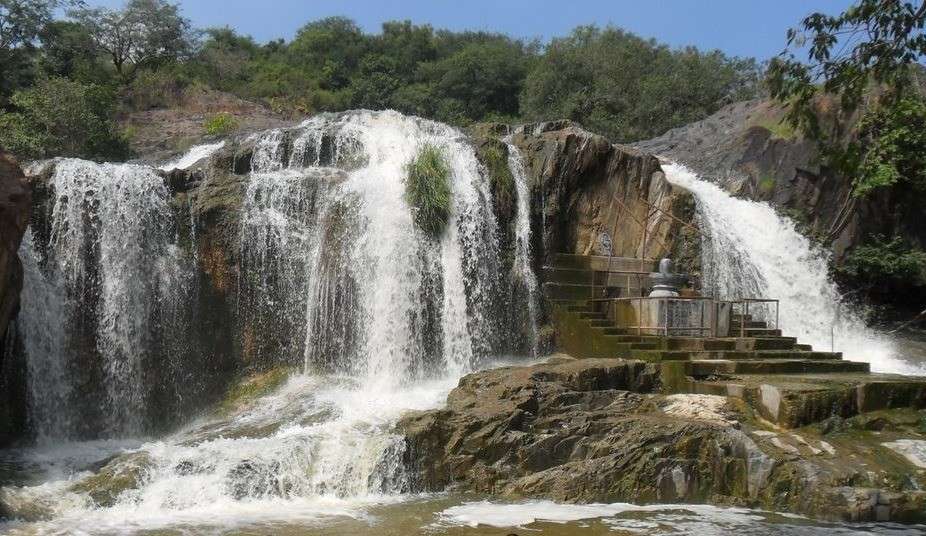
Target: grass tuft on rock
427,189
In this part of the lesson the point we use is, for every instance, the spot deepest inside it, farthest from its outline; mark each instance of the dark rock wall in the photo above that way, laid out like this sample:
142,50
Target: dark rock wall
15,207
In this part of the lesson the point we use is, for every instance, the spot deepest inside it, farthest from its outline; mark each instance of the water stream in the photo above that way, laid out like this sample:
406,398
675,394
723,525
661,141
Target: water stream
754,252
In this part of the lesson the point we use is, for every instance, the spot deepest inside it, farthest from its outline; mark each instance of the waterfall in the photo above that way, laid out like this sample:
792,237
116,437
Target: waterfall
45,308
336,282
752,251
338,264
523,270
110,262
192,156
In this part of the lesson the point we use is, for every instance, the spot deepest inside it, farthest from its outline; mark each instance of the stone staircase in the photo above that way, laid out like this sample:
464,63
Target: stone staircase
786,382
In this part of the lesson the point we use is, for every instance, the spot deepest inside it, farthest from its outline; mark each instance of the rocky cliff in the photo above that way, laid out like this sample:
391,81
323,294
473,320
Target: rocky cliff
749,149
15,206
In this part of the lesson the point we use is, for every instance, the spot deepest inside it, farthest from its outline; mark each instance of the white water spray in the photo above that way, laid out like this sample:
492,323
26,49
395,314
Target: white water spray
524,272
755,252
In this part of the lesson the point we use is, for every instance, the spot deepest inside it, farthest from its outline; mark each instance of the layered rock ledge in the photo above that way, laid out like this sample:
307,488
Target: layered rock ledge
598,430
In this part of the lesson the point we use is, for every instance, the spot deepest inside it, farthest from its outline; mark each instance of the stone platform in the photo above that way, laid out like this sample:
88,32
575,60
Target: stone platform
786,382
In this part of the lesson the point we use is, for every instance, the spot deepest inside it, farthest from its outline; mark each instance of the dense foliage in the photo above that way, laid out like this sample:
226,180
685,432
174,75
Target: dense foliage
427,189
629,88
146,54
890,263
58,116
858,94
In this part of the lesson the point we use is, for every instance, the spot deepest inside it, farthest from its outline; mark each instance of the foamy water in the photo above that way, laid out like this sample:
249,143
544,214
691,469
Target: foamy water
754,252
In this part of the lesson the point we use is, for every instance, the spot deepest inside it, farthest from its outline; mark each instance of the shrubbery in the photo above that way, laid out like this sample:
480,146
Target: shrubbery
60,117
221,124
427,190
883,260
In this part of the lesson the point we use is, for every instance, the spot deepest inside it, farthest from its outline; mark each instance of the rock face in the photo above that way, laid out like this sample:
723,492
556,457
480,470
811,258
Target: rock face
15,207
584,187
594,430
749,150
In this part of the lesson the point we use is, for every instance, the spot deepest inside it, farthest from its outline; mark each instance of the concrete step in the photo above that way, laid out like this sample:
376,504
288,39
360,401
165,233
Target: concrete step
793,401
561,291
805,347
757,324
698,343
592,315
765,343
660,355
704,368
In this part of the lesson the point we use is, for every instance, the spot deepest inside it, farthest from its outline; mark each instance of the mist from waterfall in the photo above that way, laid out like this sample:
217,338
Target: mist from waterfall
751,251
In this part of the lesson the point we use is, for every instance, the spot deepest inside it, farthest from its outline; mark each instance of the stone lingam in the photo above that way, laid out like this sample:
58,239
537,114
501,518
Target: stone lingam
664,282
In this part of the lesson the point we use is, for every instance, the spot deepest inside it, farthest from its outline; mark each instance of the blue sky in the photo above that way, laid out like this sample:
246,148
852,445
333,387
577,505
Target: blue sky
737,27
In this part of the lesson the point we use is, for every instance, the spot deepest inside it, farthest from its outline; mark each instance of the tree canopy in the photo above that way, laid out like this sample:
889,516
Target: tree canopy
146,53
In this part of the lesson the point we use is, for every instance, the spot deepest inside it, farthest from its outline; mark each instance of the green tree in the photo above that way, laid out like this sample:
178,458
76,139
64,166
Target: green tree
331,48
21,22
857,89
479,80
60,117
629,88
144,33
68,50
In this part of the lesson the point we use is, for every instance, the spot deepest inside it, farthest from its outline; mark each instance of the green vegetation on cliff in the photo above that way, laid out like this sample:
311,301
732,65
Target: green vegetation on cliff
858,92
427,189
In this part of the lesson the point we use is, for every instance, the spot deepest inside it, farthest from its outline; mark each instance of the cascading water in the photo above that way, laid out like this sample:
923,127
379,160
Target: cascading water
523,270
110,263
331,245
336,279
45,305
754,252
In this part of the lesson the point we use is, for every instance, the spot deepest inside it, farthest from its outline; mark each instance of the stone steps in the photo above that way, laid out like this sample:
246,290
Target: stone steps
792,401
786,382
709,355
703,368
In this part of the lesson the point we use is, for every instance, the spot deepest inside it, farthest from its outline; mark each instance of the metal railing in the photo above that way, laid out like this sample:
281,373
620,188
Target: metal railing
667,310
701,316
745,316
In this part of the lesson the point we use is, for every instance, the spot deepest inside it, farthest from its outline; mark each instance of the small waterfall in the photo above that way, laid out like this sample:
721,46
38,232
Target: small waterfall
341,268
753,251
110,250
192,156
45,308
523,270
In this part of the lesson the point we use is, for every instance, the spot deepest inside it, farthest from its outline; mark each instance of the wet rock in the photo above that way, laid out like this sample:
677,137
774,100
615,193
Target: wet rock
15,209
597,430
122,474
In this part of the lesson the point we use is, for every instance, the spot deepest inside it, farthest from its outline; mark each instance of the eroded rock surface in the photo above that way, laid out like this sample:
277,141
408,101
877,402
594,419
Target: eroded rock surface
15,208
595,430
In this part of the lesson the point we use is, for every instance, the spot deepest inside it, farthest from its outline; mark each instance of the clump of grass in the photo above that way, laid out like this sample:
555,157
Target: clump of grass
780,128
427,189
496,162
221,124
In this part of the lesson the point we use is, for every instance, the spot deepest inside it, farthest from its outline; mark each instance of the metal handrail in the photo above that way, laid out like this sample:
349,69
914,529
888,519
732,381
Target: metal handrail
665,327
745,302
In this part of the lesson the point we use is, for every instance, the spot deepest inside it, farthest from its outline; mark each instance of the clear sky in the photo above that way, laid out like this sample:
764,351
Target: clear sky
737,27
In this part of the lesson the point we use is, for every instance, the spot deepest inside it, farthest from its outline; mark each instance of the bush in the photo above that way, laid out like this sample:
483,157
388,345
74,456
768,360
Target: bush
427,190
61,117
221,124
882,260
